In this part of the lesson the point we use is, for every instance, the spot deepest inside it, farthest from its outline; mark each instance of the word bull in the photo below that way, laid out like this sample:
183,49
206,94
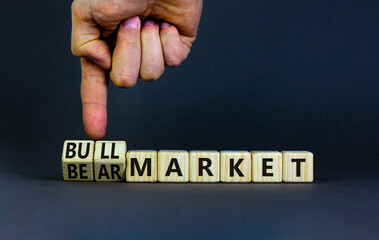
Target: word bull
110,161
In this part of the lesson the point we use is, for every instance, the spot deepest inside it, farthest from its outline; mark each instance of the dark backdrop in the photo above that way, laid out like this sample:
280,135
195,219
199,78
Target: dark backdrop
270,75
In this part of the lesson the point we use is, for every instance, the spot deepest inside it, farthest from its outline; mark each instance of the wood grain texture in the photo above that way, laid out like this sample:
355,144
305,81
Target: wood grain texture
142,161
235,166
291,170
266,166
109,160
209,162
173,166
77,160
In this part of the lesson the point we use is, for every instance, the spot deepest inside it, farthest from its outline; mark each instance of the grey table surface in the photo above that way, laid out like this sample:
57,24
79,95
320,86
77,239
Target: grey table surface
38,204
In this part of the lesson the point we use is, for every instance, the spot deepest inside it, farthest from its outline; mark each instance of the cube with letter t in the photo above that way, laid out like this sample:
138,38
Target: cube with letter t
297,166
77,160
109,160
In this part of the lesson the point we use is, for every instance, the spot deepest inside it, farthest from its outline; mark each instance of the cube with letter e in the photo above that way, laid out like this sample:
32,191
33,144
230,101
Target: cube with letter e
266,166
77,160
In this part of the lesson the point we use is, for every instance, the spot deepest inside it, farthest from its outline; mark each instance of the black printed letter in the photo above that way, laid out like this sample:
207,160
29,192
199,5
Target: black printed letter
103,151
80,150
70,148
298,162
235,167
113,152
103,172
82,171
265,167
114,171
206,167
71,168
146,164
170,169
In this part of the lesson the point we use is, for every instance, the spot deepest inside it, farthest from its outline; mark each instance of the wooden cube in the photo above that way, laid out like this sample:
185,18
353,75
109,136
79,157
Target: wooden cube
297,166
266,166
77,160
141,166
204,166
235,166
109,160
173,166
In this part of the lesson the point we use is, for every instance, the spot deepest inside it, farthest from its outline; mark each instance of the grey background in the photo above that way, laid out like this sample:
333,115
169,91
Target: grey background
278,75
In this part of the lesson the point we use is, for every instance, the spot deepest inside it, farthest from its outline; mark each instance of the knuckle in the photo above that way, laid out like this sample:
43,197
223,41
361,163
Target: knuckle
75,51
123,80
110,7
93,78
131,40
74,6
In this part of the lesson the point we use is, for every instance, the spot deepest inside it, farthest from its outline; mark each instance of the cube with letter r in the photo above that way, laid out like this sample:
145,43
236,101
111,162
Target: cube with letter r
109,160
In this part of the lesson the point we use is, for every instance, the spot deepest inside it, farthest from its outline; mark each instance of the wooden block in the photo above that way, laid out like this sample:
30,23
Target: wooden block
173,166
297,166
266,166
109,160
141,166
77,160
204,166
235,166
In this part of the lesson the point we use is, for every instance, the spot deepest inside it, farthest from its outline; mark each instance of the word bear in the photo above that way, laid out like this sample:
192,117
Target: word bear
110,161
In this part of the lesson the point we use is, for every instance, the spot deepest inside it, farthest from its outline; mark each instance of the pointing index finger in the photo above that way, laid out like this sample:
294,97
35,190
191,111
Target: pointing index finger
94,88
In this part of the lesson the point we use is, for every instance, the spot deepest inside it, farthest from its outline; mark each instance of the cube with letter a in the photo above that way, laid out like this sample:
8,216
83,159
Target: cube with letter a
109,160
173,166
297,166
77,160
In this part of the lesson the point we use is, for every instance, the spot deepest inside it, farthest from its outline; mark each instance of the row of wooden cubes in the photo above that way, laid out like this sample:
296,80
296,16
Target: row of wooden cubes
110,161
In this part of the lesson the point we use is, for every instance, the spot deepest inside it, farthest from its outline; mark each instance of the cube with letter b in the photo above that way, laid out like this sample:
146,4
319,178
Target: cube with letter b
77,160
297,166
109,160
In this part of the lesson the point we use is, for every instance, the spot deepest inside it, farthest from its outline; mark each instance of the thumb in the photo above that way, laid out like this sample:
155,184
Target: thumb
85,38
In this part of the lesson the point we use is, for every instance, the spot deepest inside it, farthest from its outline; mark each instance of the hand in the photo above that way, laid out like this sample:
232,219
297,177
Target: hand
168,30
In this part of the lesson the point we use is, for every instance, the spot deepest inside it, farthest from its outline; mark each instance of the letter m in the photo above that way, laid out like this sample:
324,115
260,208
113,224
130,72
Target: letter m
134,165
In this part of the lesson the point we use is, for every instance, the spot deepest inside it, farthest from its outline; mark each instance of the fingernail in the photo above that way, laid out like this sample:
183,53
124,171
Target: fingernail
149,23
165,25
130,23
